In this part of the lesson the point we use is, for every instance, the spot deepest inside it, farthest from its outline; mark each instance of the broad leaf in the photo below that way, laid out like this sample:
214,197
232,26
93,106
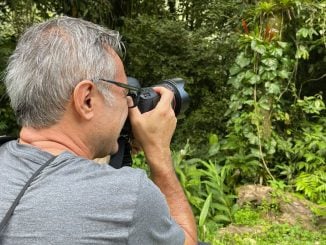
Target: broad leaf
259,48
242,60
271,63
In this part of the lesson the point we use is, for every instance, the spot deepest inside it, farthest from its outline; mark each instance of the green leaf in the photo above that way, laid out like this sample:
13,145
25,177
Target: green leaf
249,74
214,146
204,211
302,53
249,102
283,44
264,106
242,60
238,79
284,74
221,217
253,139
273,89
268,75
259,48
213,139
222,199
220,207
255,79
277,52
303,32
271,63
235,69
247,91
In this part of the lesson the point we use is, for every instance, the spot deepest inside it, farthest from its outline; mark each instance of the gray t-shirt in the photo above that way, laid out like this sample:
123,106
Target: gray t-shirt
76,201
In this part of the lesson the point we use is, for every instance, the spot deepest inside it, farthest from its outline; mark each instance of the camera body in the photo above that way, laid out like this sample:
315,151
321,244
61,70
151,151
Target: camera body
148,98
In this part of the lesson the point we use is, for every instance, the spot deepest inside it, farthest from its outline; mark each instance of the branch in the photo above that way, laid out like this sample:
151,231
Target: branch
314,79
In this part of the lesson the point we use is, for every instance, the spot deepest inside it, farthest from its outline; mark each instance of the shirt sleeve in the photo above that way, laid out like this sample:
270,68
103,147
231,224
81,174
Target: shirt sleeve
152,222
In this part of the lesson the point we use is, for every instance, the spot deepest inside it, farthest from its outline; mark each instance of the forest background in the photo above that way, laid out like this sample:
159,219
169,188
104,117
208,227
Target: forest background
255,72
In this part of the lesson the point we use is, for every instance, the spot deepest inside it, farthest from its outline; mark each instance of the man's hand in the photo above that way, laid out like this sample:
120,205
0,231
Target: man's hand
153,130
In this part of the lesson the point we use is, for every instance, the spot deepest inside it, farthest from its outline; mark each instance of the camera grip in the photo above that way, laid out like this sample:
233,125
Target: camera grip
148,100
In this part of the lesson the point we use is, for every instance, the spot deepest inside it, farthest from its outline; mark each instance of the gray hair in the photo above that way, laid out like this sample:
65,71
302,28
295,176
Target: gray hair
50,59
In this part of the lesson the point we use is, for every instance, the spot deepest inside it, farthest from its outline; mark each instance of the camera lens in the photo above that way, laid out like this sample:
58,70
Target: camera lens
181,97
148,98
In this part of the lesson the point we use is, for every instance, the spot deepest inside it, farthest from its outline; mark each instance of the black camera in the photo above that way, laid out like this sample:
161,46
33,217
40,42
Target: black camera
146,99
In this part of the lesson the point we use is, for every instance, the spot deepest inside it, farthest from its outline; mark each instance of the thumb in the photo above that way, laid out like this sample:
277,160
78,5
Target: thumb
134,113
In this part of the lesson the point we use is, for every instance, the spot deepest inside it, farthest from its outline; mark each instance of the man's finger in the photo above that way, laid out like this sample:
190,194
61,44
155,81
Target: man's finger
134,112
167,96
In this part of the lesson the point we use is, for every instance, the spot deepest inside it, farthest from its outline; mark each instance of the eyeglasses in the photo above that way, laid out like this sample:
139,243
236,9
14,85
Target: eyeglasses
132,91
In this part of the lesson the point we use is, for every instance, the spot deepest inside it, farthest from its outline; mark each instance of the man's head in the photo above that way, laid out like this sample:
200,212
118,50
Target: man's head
51,58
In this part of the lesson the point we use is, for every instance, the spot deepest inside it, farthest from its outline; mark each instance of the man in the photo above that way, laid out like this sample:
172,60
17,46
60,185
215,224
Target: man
66,85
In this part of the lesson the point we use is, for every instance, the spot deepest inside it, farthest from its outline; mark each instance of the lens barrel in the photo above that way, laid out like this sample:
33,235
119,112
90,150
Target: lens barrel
181,97
148,98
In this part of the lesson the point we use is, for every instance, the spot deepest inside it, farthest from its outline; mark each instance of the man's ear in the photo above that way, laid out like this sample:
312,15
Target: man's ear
84,98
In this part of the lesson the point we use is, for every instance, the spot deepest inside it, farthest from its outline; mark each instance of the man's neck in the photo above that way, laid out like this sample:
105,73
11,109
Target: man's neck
54,140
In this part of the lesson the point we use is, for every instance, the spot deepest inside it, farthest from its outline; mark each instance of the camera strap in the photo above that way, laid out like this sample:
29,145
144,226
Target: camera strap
21,193
123,157
5,139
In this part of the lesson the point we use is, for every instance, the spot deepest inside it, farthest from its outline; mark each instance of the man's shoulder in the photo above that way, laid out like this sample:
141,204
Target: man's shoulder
92,171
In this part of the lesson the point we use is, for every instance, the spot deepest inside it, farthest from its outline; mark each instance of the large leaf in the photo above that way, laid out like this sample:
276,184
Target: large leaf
259,48
271,63
242,60
221,217
272,88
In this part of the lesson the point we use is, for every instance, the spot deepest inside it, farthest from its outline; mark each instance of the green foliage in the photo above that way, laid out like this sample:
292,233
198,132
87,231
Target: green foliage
203,182
204,186
274,234
312,104
7,120
260,76
278,186
212,201
304,160
247,216
212,15
273,131
256,225
8,125
313,185
138,161
160,48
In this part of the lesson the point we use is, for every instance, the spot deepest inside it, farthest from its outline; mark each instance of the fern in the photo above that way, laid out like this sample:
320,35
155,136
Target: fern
313,185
